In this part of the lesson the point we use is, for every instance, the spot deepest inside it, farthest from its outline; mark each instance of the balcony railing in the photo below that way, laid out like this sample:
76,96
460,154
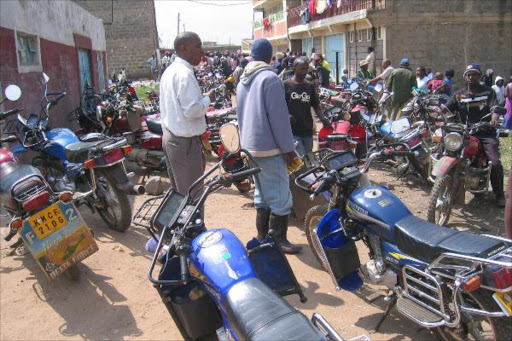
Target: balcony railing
347,6
271,19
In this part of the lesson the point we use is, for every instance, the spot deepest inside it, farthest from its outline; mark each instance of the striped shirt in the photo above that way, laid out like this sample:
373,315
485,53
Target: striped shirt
473,106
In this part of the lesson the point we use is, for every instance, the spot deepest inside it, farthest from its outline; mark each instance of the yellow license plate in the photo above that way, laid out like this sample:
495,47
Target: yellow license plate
504,300
47,221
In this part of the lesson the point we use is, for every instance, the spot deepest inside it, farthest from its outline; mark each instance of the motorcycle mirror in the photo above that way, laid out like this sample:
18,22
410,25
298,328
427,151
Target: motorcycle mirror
13,92
46,79
354,86
230,137
378,87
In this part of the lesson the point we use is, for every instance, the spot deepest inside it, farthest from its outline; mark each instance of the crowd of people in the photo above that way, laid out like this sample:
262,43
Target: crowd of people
274,101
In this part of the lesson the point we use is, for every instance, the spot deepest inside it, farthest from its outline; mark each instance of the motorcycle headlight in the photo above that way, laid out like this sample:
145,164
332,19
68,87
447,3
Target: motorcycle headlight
453,142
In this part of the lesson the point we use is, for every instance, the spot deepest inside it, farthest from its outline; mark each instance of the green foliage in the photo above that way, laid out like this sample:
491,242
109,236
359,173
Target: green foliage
141,90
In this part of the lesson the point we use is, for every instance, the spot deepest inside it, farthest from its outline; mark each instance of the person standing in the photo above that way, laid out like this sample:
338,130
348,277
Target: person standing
499,89
508,206
508,105
322,73
152,64
400,84
166,61
370,58
364,73
422,79
448,82
386,73
183,109
474,102
266,133
487,79
301,96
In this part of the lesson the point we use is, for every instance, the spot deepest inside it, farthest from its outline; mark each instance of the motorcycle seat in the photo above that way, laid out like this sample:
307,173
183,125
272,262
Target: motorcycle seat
78,152
11,173
257,313
426,241
155,125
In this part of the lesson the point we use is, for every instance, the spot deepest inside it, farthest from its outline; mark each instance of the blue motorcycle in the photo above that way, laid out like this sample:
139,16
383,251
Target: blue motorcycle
91,168
211,285
456,284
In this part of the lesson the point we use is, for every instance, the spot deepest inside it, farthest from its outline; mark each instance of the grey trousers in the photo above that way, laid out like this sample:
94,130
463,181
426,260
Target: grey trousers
185,159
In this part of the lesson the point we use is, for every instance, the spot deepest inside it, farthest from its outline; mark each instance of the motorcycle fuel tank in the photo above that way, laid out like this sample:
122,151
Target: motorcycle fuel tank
59,139
218,255
378,209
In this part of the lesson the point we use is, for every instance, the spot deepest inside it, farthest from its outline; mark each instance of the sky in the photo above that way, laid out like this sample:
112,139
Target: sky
222,21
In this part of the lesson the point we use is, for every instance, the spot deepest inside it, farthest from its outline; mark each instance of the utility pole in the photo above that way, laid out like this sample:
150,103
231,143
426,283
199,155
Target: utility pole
178,23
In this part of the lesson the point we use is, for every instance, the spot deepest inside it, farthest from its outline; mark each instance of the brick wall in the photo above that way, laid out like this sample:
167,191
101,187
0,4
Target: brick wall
130,31
449,34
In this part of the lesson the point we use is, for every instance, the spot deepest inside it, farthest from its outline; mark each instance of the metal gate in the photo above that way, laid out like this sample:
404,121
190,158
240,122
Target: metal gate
84,68
333,44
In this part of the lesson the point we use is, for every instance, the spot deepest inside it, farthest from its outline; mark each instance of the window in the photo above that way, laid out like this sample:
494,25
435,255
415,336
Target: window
352,34
379,33
27,47
368,34
360,35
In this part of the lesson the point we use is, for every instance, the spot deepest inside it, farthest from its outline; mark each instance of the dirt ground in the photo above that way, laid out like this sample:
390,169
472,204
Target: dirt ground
113,300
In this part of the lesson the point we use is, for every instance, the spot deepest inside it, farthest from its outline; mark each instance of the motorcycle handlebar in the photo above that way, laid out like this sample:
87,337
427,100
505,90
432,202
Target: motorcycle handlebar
230,177
6,114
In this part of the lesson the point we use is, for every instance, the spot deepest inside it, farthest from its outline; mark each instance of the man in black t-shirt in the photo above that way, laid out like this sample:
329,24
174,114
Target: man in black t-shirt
301,96
473,103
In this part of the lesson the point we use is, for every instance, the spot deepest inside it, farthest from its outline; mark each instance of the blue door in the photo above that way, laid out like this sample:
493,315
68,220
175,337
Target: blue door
333,44
84,68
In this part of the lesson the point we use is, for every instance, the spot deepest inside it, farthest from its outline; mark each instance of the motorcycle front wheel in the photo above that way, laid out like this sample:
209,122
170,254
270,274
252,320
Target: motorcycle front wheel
313,217
440,201
113,205
475,327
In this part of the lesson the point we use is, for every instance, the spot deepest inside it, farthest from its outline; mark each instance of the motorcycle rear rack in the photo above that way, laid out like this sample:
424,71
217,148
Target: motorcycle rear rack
143,216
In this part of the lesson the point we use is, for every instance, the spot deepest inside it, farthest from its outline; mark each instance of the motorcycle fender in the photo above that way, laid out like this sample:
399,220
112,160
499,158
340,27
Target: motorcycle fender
118,173
444,166
339,250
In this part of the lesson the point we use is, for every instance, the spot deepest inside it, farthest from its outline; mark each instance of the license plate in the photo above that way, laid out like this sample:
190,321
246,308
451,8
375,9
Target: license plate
504,300
47,221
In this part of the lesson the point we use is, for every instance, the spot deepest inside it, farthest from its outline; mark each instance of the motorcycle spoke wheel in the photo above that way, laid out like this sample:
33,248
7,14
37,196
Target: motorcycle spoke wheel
312,219
440,202
116,211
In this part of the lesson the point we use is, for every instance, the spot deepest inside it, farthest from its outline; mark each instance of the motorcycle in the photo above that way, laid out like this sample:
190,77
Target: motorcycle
91,167
461,166
456,284
209,271
48,223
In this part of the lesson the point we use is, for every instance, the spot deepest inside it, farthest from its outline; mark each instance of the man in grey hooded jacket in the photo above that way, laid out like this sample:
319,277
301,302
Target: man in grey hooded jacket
266,133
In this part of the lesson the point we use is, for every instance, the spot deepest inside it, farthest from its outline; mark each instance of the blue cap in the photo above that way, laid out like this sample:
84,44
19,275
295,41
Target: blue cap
261,50
472,67
404,62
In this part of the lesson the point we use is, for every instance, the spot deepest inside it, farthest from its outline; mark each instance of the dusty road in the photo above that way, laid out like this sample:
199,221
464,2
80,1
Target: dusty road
114,300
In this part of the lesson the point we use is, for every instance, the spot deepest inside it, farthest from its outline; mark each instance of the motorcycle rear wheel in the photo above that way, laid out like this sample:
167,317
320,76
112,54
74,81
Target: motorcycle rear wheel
440,201
118,217
478,328
313,217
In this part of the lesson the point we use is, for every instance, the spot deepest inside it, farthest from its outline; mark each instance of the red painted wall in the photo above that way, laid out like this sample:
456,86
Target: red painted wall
275,30
59,62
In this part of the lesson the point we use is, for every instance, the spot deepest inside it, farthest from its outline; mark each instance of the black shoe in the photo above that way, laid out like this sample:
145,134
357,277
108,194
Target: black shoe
280,226
500,200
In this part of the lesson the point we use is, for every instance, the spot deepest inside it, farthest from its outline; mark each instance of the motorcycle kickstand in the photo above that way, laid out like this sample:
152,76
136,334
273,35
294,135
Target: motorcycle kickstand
393,299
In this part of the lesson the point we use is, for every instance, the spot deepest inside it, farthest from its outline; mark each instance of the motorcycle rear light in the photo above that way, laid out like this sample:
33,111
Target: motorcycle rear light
66,196
127,149
36,202
16,224
109,120
323,133
502,278
89,163
424,133
112,156
473,284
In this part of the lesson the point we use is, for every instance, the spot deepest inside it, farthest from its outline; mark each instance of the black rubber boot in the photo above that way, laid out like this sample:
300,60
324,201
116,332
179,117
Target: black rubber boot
279,223
262,222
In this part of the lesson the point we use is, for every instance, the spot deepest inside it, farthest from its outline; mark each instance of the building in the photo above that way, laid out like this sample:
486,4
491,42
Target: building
131,33
59,38
438,34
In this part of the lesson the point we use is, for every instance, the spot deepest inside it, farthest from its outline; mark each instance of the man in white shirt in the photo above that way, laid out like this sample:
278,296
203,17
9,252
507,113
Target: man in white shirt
384,76
183,109
370,58
422,79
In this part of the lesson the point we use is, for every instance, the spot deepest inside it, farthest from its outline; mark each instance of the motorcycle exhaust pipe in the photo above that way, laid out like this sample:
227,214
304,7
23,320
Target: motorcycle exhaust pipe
138,190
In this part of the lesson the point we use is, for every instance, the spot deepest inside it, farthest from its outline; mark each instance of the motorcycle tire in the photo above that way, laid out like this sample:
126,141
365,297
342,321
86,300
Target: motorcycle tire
501,327
442,189
73,273
313,217
118,222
